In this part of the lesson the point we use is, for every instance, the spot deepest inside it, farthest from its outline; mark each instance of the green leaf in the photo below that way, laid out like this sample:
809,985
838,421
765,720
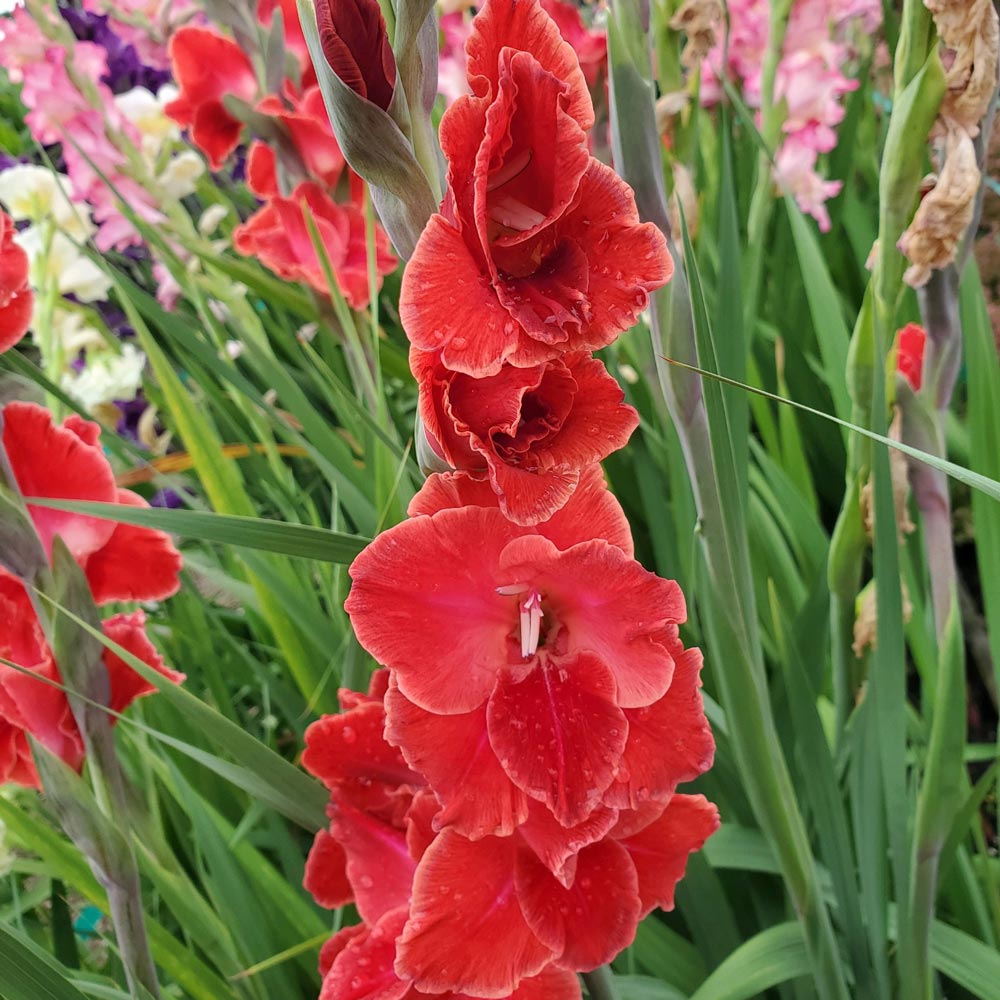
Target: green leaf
772,957
29,973
645,988
970,963
300,540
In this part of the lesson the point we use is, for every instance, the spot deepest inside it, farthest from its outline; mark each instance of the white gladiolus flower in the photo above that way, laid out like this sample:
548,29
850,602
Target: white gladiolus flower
145,111
210,219
180,175
73,273
107,377
75,334
38,194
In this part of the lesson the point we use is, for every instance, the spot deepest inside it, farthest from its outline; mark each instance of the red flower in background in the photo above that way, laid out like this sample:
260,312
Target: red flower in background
279,237
538,249
16,296
304,116
591,46
356,45
207,66
29,704
910,344
295,40
532,429
122,562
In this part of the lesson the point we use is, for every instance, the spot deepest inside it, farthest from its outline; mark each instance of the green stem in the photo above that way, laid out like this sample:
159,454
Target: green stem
601,984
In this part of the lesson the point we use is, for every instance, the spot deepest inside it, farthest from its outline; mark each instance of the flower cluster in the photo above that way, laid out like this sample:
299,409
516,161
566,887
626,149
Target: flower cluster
510,778
301,175
810,80
121,563
16,297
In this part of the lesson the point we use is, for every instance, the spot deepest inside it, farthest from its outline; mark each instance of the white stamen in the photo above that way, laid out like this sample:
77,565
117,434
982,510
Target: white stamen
512,589
514,214
531,624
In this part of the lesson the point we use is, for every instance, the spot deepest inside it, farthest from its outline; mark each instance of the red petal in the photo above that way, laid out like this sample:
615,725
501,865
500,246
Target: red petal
137,564
910,344
608,605
363,969
355,43
464,892
15,318
335,945
522,24
556,845
326,872
529,497
532,157
591,512
559,734
669,742
262,171
453,753
424,602
599,422
419,822
589,923
129,631
551,984
627,259
463,318
660,850
350,749
50,461
379,866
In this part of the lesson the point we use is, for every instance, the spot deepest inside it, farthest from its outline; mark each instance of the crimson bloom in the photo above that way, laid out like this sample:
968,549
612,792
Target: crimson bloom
303,114
523,930
208,66
356,45
910,344
380,828
122,562
532,429
590,45
16,296
30,704
538,248
515,653
279,237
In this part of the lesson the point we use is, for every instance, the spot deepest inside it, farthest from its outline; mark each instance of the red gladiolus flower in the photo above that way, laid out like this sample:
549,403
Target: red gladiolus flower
533,429
16,297
910,344
538,249
207,66
30,704
591,46
122,562
279,237
494,632
304,115
295,40
356,45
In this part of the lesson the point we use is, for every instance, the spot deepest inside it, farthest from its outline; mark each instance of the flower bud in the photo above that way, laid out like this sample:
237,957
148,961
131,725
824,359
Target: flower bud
356,46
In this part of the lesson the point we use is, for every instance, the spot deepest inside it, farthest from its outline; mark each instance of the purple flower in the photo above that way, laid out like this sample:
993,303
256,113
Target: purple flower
125,69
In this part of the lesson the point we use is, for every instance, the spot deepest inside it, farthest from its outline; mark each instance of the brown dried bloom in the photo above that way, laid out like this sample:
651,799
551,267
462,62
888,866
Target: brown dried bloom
900,487
969,29
944,215
698,20
866,620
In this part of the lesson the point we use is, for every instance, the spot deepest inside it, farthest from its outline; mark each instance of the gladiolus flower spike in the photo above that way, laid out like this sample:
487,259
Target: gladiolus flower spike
509,781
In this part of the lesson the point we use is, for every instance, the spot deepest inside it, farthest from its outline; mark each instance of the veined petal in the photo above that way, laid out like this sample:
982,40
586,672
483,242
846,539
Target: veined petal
661,849
454,754
362,970
559,734
557,846
464,891
326,872
424,602
590,922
